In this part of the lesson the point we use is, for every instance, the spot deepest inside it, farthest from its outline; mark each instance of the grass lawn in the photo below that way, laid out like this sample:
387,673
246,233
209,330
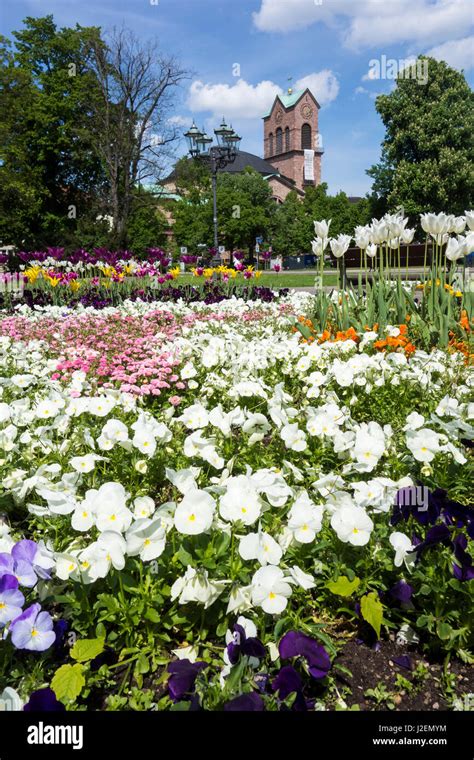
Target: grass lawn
282,280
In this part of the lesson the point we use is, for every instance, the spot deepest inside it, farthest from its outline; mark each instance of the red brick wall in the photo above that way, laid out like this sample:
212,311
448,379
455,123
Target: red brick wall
291,163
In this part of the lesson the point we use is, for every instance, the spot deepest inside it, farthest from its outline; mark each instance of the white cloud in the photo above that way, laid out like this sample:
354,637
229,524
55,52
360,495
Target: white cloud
372,23
247,101
457,53
241,100
323,84
180,121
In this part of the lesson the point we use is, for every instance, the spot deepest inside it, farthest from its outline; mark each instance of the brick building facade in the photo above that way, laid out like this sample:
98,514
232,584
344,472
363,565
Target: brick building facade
292,142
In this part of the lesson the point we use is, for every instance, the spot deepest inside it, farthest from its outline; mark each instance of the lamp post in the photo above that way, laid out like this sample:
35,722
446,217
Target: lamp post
215,156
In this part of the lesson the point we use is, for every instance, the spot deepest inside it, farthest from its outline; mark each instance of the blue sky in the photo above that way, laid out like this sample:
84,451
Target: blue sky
328,44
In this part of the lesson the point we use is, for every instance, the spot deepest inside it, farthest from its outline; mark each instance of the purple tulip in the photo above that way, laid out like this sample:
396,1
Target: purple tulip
11,600
183,676
33,630
252,702
294,644
43,700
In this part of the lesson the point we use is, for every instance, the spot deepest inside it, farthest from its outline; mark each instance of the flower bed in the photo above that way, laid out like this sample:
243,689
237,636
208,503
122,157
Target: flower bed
203,507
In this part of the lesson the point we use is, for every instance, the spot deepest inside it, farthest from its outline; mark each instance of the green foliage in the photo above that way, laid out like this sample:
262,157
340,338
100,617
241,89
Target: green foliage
343,586
87,649
48,169
427,153
372,611
68,682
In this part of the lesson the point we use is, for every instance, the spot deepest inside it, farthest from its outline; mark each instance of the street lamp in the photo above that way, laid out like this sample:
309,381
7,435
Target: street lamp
215,156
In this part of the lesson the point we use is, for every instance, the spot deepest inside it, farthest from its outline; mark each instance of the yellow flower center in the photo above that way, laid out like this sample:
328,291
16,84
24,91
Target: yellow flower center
192,518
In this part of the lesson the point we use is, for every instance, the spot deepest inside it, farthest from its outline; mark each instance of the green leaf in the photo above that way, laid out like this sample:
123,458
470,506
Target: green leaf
143,666
444,631
87,649
343,586
68,682
372,611
152,615
184,557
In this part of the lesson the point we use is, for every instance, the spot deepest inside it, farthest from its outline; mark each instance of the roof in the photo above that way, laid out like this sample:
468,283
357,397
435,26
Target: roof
288,100
245,159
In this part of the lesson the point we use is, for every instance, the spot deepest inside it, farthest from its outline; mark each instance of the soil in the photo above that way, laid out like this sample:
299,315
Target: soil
370,668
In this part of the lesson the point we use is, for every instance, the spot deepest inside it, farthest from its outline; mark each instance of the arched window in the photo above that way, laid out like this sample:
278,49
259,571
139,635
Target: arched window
279,140
306,143
287,139
270,144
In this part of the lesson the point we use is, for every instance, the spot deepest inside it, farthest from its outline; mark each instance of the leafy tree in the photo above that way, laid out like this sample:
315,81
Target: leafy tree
428,151
147,225
245,209
49,171
137,84
291,228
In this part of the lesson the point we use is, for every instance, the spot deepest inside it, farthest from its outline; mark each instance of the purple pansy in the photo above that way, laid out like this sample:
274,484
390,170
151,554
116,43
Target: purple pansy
33,630
182,678
402,591
22,570
287,681
35,555
438,534
464,571
252,702
404,661
11,599
43,700
294,644
252,647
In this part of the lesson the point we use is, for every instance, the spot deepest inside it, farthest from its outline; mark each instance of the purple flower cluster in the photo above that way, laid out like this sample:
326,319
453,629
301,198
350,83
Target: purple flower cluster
444,518
29,628
293,646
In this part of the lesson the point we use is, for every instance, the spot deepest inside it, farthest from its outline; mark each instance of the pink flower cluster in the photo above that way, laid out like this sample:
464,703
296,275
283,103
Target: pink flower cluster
117,350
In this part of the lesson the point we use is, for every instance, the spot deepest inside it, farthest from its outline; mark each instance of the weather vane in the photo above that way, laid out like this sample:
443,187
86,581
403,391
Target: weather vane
290,89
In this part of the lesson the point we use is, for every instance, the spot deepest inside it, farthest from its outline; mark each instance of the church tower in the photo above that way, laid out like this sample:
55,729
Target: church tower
292,143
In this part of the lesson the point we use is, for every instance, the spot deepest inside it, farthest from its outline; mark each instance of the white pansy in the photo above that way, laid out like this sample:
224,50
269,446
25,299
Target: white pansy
403,548
143,506
85,463
423,444
352,525
194,417
300,578
195,513
147,538
305,519
240,599
270,589
294,437
260,546
195,586
241,501
144,440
